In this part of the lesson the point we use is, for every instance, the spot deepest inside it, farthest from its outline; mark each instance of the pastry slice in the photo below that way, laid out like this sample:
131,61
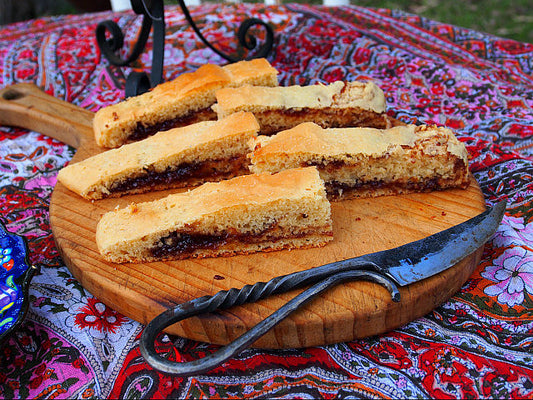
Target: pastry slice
238,216
182,101
367,162
180,157
339,104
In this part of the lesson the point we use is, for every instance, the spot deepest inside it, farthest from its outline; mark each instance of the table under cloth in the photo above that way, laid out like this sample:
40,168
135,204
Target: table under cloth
477,344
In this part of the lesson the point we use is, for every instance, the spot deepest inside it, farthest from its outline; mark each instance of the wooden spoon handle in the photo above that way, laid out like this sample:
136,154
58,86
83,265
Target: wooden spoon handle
26,106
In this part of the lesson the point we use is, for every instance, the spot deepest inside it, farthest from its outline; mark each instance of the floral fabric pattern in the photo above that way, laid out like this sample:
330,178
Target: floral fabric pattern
479,344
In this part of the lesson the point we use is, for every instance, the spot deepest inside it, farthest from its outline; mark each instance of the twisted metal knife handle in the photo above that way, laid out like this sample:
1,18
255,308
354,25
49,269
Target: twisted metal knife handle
249,293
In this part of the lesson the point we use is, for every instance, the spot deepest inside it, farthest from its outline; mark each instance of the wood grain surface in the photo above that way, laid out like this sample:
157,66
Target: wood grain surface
142,291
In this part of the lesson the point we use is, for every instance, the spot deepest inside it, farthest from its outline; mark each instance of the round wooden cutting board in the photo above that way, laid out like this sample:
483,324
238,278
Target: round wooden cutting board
144,290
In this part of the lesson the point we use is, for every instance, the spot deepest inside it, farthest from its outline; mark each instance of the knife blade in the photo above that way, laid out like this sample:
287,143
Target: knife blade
400,266
424,258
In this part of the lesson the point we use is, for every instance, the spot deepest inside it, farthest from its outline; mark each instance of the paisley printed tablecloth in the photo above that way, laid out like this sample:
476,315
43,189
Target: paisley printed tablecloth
478,344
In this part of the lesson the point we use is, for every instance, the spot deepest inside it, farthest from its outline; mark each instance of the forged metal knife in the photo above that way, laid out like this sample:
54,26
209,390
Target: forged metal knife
400,266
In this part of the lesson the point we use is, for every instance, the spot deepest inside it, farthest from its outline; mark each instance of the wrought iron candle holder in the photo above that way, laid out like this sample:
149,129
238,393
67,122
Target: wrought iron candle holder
110,39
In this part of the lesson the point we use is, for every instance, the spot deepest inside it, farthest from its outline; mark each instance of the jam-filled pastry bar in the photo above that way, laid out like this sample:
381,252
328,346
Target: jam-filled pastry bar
367,162
339,104
242,215
180,157
182,101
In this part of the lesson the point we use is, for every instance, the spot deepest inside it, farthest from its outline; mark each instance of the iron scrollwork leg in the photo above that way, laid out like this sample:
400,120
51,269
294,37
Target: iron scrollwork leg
110,39
244,37
153,14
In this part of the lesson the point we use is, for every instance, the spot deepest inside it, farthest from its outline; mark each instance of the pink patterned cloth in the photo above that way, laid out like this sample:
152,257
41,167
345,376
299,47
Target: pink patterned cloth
478,344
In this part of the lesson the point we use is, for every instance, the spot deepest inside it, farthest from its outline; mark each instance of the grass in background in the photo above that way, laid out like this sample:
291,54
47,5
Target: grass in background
505,18
512,19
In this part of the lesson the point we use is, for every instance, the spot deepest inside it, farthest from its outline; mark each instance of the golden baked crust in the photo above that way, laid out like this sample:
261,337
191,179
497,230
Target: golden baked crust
338,104
184,100
180,157
365,162
245,214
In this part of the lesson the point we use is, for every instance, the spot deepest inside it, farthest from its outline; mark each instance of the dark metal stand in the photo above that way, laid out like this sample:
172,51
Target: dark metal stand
111,39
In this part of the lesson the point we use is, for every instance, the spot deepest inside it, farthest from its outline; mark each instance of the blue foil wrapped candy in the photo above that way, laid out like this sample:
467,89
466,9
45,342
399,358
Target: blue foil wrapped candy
15,275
